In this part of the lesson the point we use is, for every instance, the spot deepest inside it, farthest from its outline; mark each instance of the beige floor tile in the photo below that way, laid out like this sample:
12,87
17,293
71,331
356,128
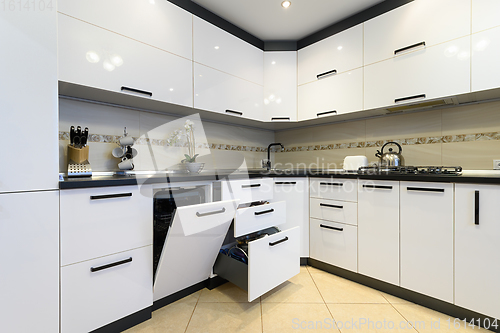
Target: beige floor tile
226,317
228,292
395,300
288,317
172,318
335,289
299,289
427,320
368,318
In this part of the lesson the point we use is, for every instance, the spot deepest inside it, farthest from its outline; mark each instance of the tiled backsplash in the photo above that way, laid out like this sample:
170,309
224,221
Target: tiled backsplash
467,135
220,146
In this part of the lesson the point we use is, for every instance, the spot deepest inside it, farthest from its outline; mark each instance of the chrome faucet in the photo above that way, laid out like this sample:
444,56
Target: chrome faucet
267,164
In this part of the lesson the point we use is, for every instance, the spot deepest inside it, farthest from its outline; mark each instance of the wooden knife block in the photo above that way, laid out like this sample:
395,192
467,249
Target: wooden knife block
78,155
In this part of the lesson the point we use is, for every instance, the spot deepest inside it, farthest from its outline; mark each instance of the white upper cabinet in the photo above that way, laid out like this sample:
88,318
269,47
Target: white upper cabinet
485,14
28,101
341,93
95,57
340,52
157,23
430,73
219,49
280,86
220,92
416,25
485,55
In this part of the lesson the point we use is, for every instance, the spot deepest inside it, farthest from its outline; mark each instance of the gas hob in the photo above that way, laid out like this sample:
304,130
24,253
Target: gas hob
412,170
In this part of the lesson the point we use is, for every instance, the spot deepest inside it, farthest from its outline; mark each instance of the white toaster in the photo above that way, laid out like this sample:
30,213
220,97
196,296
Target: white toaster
353,163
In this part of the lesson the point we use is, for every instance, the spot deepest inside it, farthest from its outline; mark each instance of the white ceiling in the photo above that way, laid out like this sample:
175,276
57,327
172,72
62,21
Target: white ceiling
268,21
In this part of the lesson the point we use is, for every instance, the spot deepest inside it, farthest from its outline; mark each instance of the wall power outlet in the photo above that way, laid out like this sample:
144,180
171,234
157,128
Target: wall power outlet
496,164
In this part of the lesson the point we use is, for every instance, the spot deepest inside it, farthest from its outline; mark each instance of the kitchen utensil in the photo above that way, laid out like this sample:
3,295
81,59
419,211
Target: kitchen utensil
126,164
77,141
83,140
353,163
390,158
72,134
118,152
127,141
86,135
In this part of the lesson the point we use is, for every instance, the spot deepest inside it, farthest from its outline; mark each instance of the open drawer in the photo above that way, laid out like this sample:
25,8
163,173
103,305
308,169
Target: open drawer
272,260
252,219
193,241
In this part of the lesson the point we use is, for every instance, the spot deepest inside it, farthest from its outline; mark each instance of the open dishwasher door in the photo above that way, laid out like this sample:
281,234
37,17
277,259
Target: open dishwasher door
192,245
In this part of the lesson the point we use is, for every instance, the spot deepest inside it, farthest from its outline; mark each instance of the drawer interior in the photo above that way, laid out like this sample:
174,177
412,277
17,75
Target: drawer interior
232,270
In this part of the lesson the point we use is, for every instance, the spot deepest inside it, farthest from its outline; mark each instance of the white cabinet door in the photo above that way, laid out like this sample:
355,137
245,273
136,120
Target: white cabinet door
477,250
334,244
248,190
434,72
95,57
424,21
98,292
29,261
335,211
427,238
295,192
341,52
220,92
96,222
485,14
280,86
29,104
219,49
485,55
256,218
378,230
192,244
338,94
157,23
335,188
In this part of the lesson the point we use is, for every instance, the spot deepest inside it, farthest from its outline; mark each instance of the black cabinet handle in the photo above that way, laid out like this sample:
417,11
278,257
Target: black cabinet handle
378,187
150,94
333,228
285,183
326,112
332,184
332,206
235,112
334,71
409,47
110,196
211,213
280,118
278,242
476,208
408,98
425,189
100,268
264,212
251,185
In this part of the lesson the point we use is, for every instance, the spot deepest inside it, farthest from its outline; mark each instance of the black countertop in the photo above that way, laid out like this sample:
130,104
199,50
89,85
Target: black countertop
108,179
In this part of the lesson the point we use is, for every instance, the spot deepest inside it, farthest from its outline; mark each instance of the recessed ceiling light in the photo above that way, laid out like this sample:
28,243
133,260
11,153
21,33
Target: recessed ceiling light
216,47
286,4
339,48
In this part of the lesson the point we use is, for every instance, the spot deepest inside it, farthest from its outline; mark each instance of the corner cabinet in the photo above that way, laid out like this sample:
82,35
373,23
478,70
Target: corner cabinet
95,57
477,250
426,229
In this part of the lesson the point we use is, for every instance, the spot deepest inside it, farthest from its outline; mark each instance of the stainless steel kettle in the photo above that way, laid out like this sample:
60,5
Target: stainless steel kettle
390,158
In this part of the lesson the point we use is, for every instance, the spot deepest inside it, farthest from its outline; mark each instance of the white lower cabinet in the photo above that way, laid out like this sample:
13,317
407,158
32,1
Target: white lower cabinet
334,243
193,241
334,210
248,190
97,292
435,72
427,238
338,94
224,93
272,260
295,193
29,252
96,222
95,57
378,230
253,219
485,53
477,250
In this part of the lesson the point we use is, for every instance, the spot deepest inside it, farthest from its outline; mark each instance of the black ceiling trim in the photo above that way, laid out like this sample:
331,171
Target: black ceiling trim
352,21
218,21
280,46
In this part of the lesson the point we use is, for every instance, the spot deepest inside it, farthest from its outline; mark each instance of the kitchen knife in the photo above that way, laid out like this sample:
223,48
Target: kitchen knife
77,141
83,141
85,136
72,135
